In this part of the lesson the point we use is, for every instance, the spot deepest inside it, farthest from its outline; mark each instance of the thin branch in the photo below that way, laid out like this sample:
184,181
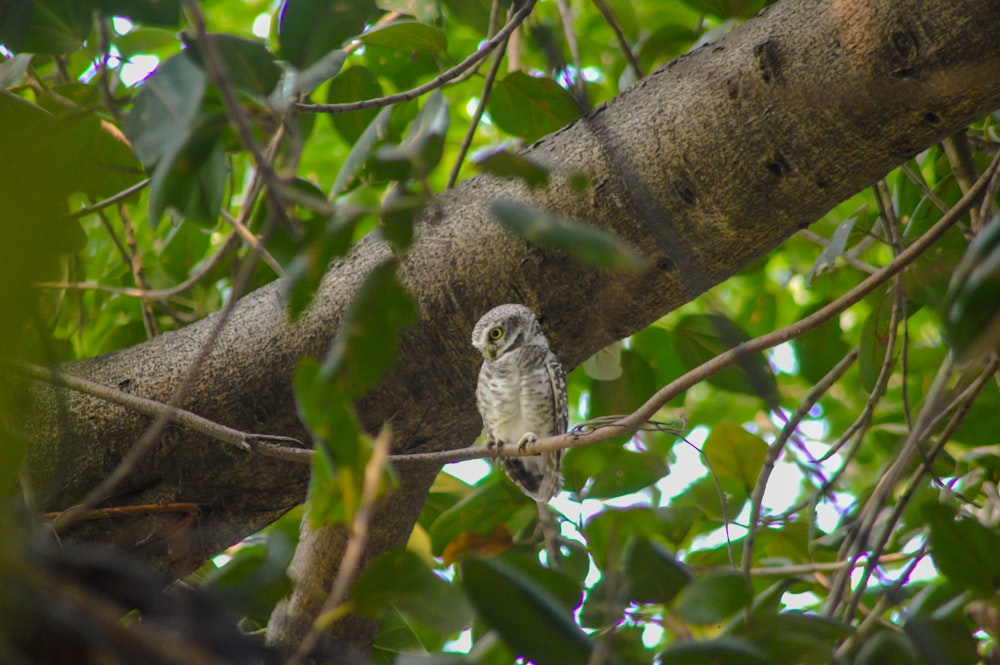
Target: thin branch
812,236
566,18
478,115
353,551
142,509
609,15
243,440
110,201
438,81
775,449
254,242
647,411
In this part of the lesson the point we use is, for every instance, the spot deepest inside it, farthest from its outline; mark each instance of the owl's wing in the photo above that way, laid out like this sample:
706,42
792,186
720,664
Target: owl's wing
560,402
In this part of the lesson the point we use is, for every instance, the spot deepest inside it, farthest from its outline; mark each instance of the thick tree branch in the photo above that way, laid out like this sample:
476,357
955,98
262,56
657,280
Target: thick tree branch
707,164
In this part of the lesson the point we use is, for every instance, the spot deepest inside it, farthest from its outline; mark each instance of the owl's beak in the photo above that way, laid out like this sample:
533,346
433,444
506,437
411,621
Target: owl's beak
490,353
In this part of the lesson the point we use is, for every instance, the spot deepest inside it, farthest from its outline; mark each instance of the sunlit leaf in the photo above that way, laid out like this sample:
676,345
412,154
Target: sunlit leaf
590,244
735,453
490,504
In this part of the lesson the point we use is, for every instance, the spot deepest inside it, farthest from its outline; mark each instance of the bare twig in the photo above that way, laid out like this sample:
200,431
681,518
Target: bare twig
110,201
609,16
437,82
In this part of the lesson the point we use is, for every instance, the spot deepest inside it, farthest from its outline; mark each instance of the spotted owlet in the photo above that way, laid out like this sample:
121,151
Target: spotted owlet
521,395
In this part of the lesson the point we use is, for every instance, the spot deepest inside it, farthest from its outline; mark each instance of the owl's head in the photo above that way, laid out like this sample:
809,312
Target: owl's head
505,328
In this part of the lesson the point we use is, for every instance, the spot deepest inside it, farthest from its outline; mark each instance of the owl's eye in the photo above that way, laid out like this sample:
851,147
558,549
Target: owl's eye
496,333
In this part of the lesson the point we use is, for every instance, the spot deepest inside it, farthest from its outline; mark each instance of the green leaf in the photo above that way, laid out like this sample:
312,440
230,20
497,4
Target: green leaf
725,650
408,36
819,350
612,470
972,310
165,109
256,578
361,151
354,84
529,619
700,337
703,494
612,526
165,13
887,647
248,64
530,107
963,550
424,143
591,245
797,637
713,598
652,573
368,335
193,179
735,453
324,69
400,580
493,502
44,26
943,641
308,29
836,248
874,341
507,164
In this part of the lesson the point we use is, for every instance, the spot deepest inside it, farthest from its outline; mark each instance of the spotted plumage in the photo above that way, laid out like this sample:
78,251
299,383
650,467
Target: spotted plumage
521,395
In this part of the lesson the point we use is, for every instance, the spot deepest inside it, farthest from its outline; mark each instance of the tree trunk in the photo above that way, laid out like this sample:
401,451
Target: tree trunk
705,165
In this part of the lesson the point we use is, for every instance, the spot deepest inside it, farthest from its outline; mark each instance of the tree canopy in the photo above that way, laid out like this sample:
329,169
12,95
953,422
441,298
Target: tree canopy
243,244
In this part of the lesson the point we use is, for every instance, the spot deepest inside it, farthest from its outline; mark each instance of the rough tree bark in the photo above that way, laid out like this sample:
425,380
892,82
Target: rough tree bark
706,165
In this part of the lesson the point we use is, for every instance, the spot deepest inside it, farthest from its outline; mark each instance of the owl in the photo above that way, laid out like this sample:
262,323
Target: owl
521,395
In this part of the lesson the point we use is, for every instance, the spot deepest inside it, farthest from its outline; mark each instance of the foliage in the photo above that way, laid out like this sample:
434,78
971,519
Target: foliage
127,205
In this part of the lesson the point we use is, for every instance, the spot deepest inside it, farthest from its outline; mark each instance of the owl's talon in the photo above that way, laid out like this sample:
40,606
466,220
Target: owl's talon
527,439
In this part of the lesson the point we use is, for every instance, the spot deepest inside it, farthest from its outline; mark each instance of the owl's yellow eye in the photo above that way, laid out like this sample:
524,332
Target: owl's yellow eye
496,333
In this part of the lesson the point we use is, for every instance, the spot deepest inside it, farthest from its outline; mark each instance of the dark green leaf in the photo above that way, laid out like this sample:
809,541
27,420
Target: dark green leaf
819,350
400,209
530,107
963,550
563,588
193,179
700,337
797,637
44,26
621,472
308,29
591,245
475,13
720,651
354,84
943,641
714,598
248,64
972,311
887,647
529,619
652,573
151,12
165,110
610,528
507,164
400,580
408,36
704,495
368,335
732,452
